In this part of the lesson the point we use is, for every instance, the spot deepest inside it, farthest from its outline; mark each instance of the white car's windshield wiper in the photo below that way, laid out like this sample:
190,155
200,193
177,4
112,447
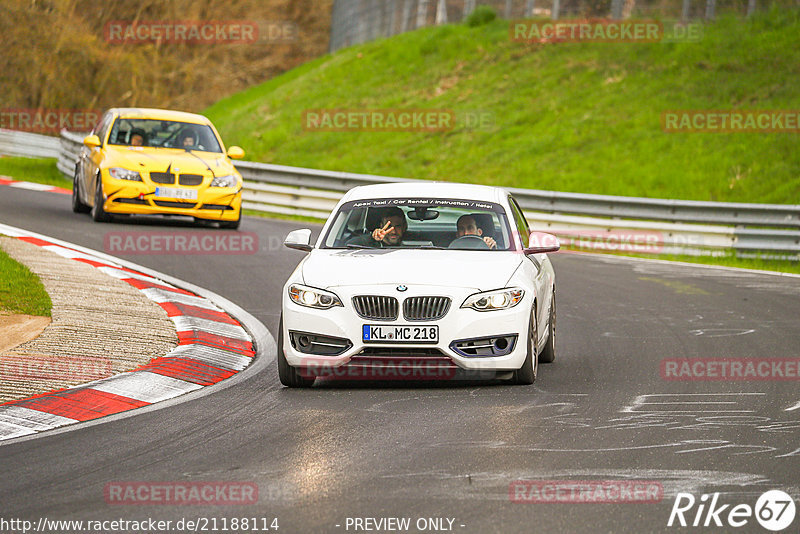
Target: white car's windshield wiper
353,245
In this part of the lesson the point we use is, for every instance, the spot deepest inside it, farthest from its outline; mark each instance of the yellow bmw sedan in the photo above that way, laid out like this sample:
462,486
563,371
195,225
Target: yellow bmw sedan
141,161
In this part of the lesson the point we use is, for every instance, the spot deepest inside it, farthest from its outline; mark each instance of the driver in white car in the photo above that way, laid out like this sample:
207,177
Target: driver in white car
466,225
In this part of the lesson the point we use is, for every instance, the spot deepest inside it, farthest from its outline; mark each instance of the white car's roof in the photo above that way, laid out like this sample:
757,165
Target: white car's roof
428,189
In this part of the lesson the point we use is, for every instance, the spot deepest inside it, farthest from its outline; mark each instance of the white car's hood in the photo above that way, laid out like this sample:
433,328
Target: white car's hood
481,270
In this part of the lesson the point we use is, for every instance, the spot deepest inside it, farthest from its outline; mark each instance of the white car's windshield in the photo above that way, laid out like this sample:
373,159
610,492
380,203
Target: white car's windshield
420,223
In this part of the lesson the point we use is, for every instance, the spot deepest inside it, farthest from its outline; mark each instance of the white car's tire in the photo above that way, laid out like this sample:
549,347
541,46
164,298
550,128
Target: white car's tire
289,376
548,354
526,374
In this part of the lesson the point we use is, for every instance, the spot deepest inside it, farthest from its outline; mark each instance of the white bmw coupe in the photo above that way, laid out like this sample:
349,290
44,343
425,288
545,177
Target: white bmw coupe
419,281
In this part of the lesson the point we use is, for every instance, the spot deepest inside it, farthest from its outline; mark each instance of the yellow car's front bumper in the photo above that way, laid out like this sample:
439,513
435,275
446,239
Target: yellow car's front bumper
139,198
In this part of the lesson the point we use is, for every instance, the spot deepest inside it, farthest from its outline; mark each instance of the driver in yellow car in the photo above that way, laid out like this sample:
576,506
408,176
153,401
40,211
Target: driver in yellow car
188,138
466,225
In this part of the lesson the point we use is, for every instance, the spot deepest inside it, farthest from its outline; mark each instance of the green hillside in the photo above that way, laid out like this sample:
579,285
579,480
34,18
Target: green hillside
582,117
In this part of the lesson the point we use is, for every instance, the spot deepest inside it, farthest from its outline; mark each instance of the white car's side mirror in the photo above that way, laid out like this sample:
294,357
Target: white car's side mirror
299,240
542,242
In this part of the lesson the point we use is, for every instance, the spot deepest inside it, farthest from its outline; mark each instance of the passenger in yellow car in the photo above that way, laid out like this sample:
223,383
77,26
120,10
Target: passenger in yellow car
138,137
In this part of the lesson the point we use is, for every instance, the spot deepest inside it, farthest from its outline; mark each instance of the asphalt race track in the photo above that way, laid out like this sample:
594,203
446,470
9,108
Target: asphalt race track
602,411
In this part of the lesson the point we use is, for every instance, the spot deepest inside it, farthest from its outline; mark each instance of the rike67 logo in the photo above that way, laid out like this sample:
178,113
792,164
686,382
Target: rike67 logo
774,510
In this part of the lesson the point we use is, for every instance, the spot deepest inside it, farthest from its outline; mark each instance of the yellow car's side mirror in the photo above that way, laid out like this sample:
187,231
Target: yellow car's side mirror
91,141
235,152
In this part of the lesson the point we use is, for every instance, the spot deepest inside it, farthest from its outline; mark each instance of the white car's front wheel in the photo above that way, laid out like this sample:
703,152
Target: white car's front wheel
527,373
289,376
548,354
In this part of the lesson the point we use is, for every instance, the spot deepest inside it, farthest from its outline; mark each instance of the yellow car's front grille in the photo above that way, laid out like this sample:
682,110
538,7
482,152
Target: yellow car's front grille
190,179
162,177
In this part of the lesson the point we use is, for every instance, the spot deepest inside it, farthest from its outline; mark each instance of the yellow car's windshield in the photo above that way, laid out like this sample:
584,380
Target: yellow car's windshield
163,134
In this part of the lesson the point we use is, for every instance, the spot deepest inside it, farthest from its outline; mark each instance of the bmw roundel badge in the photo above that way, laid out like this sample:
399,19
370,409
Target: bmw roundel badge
401,287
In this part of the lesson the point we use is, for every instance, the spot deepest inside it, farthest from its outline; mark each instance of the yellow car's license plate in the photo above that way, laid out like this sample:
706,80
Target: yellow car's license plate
174,192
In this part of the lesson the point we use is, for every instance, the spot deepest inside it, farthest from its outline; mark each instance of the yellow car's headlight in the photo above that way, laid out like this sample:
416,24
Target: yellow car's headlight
124,174
225,181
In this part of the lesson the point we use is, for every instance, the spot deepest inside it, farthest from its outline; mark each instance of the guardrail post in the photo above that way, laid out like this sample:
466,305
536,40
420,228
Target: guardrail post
406,15
529,5
685,10
616,9
441,12
422,13
469,7
710,8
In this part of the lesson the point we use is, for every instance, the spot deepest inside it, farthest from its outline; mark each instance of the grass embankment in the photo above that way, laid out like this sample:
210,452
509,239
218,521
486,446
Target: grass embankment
21,291
582,117
39,170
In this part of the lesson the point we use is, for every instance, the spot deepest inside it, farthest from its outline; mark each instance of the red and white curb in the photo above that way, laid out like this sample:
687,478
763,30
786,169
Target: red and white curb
212,346
34,186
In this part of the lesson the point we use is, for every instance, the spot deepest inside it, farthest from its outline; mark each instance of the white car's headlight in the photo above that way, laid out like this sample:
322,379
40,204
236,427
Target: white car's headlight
313,297
499,299
124,174
225,181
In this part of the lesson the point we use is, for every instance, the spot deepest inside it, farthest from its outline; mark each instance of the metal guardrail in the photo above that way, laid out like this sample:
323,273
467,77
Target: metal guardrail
70,144
29,145
682,226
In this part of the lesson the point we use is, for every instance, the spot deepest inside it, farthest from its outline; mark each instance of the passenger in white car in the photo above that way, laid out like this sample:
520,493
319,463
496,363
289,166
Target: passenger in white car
389,233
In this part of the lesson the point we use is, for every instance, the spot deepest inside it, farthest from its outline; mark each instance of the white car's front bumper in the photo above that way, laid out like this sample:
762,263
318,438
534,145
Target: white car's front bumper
458,324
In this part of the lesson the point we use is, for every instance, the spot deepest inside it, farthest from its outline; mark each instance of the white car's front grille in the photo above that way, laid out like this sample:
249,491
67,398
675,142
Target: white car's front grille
425,308
376,307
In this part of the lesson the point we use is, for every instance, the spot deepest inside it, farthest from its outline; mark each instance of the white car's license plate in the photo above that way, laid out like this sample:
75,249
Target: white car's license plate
382,333
174,192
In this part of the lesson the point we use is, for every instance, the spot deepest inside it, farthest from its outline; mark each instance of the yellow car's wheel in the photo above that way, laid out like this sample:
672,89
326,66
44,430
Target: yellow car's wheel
77,204
98,213
233,225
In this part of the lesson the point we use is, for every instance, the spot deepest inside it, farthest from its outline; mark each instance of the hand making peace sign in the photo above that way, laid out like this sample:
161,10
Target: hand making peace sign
379,233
